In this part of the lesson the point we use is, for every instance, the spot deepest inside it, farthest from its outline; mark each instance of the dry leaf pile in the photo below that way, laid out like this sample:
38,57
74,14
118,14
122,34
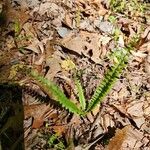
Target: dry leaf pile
58,36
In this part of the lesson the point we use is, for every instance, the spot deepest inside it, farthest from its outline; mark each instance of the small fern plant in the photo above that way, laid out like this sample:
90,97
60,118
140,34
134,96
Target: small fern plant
52,90
120,57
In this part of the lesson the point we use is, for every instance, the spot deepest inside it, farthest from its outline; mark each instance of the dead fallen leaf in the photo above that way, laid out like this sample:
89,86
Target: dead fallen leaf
49,49
54,67
117,141
34,46
135,109
38,112
89,44
97,3
126,138
147,64
16,15
35,110
59,130
68,21
37,123
50,9
29,30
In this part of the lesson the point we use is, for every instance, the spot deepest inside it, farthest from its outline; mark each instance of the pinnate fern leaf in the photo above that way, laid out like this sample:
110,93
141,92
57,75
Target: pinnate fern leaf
54,91
109,80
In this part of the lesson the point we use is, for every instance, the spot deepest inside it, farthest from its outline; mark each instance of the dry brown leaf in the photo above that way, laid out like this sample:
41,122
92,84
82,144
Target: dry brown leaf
37,123
16,15
101,10
126,138
135,108
54,67
146,33
133,139
121,108
117,141
40,60
84,43
38,112
34,46
29,30
59,130
49,49
68,21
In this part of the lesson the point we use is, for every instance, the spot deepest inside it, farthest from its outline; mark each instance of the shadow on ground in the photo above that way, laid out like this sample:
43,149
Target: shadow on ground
11,118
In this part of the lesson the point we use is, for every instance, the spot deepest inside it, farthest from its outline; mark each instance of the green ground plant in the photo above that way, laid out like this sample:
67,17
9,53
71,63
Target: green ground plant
120,58
53,91
100,93
136,7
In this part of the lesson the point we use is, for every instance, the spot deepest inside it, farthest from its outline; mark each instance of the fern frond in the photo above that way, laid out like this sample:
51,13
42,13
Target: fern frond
54,91
80,93
108,81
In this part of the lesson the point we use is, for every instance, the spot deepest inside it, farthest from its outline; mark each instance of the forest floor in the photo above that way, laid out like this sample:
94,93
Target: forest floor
57,37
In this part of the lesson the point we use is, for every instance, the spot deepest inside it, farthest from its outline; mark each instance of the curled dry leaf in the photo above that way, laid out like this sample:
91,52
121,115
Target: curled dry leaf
50,9
133,110
68,21
29,30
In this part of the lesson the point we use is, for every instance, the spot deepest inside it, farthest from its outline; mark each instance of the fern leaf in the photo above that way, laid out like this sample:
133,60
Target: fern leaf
108,81
54,91
80,93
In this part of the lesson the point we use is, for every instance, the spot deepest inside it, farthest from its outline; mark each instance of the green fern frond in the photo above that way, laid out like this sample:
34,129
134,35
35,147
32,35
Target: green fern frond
54,91
80,93
109,80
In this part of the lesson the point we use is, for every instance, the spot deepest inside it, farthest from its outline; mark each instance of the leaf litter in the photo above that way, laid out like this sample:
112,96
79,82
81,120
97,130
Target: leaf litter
56,37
